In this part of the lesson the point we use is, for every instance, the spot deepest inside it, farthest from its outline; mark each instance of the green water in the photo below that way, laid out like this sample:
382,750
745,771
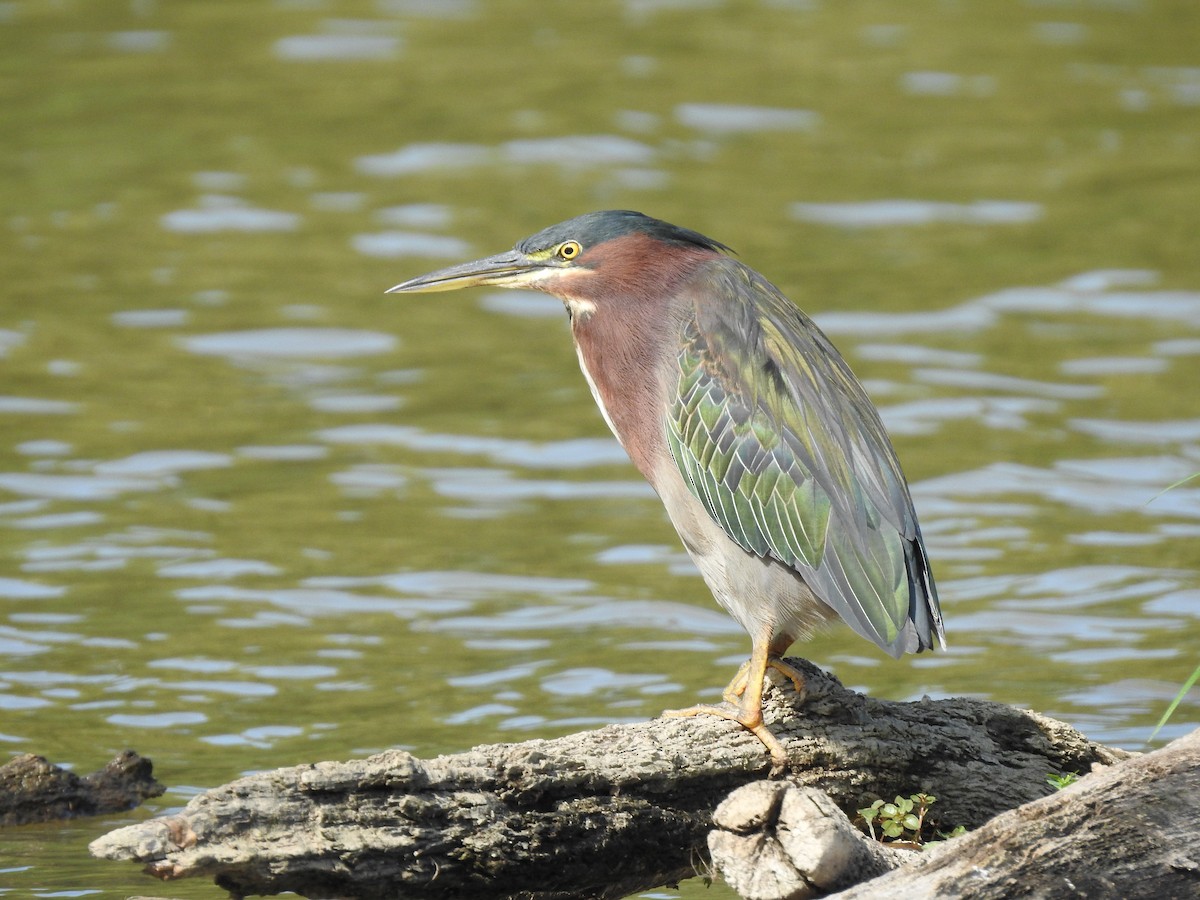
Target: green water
207,556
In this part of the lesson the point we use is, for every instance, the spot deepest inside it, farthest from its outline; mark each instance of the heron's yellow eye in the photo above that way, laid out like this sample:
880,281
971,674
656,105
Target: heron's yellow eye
569,250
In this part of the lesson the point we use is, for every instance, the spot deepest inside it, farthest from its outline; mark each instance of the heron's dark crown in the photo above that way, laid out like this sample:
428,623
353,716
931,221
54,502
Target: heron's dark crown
595,228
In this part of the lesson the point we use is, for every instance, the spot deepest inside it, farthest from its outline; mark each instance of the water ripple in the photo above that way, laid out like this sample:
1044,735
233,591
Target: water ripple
585,682
337,47
1178,431
262,736
355,403
569,454
1075,489
892,213
158,720
162,463
150,318
73,487
218,569
321,602
35,406
19,589
416,215
663,615
415,158
289,343
1082,294
525,304
284,452
572,151
728,118
219,213
579,150
394,244
139,41
995,382
485,487
927,416
458,584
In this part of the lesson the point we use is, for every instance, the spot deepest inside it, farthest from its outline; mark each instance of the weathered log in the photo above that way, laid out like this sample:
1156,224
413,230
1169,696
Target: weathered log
1128,830
775,840
34,790
598,814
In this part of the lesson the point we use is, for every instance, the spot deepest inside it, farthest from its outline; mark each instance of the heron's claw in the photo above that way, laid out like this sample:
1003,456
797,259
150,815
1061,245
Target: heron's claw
751,721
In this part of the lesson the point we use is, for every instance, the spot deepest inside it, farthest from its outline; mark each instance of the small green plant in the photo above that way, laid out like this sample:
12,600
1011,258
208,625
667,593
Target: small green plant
1183,691
1195,676
1058,782
902,820
1171,487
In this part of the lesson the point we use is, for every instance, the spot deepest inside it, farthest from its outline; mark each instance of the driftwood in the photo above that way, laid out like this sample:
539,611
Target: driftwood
34,790
1128,831
775,840
593,815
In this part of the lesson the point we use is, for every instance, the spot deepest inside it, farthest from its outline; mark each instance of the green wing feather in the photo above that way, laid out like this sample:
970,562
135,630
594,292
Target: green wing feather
776,437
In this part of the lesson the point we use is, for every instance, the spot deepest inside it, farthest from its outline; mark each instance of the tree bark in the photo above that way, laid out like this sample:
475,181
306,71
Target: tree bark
34,790
1126,831
775,840
600,814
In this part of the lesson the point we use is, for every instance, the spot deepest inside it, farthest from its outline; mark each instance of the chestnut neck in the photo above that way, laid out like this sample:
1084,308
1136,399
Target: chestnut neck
628,339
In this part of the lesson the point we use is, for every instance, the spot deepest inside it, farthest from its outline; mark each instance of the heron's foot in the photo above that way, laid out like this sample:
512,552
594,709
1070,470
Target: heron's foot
788,671
736,688
752,722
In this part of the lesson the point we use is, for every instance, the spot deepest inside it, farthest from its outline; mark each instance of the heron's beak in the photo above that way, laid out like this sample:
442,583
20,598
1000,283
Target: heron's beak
511,269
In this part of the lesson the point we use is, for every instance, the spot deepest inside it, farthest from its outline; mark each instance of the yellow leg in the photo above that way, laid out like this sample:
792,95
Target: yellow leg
737,687
745,692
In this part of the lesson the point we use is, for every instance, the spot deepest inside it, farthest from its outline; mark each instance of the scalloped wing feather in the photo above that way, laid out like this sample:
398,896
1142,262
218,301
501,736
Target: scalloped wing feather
777,439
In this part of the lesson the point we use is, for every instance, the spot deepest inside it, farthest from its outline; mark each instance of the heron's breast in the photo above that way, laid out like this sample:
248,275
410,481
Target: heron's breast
628,371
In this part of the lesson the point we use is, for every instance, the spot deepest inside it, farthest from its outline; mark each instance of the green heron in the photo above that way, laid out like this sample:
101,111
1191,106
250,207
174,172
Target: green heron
772,462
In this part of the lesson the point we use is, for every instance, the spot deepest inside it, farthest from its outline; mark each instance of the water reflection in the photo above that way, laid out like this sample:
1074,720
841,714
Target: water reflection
139,41
415,215
590,612
316,47
220,213
568,454
1079,486
892,213
571,151
19,589
1184,431
218,569
36,406
151,318
722,118
286,343
947,84
391,244
433,9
